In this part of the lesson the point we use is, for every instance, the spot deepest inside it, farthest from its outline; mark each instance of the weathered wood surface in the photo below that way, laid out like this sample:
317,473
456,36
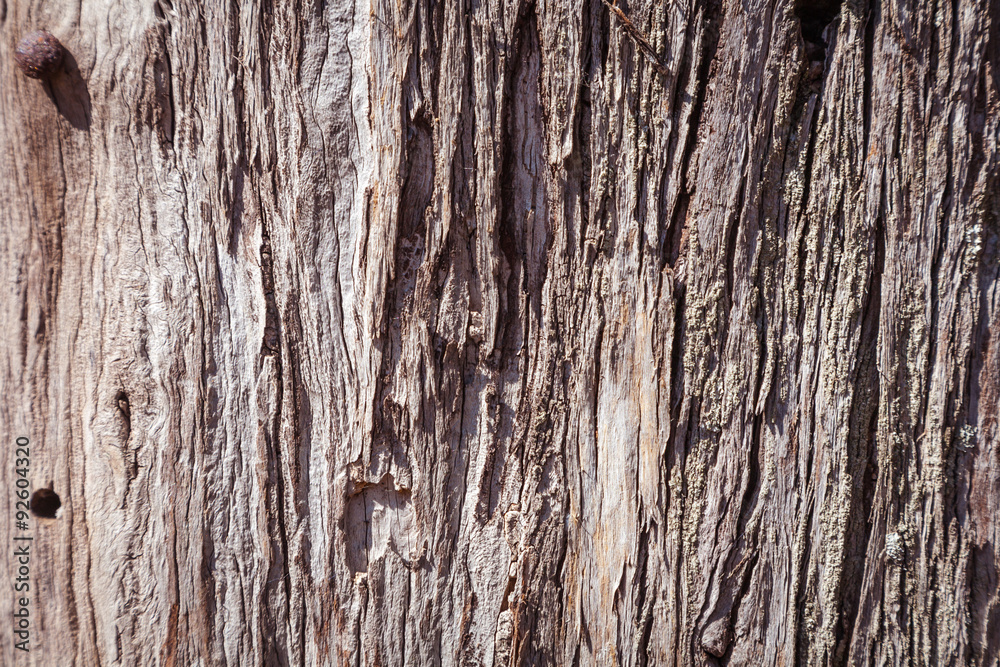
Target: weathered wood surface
388,333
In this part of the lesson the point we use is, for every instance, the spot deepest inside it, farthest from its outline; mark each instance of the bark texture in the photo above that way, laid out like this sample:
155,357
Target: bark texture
415,332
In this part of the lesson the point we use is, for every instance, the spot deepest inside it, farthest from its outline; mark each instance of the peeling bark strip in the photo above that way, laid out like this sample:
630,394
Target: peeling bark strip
415,333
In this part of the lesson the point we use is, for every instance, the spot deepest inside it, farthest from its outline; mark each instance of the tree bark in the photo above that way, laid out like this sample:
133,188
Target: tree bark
474,333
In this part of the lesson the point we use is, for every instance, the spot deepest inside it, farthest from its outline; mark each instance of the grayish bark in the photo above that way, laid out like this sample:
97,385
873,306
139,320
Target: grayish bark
446,332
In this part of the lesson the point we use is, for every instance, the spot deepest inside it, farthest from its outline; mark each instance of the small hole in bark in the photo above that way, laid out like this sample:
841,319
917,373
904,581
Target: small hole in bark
45,503
125,412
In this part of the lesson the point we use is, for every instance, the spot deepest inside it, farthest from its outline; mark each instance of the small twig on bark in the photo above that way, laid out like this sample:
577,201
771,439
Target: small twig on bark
639,39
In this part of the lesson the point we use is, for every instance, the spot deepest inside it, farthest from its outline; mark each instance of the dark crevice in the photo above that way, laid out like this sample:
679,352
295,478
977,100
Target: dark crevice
710,25
751,494
806,183
983,578
739,566
604,31
814,16
993,45
125,412
676,231
232,138
302,420
170,110
617,604
493,471
862,452
815,19
982,581
598,344
298,466
279,574
677,357
801,584
269,343
208,589
129,456
869,72
932,54
938,256
583,129
464,165
276,481
643,603
871,472
556,575
509,233
746,576
976,130
804,132
729,262
166,88
418,166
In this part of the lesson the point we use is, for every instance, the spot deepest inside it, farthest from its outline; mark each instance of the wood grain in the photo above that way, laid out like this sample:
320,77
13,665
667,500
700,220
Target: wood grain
416,333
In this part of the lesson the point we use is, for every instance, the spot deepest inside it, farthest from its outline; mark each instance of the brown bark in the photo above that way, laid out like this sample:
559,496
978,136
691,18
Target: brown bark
445,332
